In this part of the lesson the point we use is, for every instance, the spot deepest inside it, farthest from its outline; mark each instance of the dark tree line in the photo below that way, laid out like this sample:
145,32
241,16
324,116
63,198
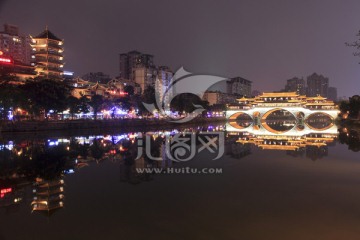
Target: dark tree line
352,106
43,97
182,103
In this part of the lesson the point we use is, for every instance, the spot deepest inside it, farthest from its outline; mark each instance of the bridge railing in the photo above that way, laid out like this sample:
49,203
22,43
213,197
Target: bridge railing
322,107
278,105
237,107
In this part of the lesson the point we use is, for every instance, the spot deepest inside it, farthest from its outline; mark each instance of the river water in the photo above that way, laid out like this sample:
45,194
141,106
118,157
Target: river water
264,186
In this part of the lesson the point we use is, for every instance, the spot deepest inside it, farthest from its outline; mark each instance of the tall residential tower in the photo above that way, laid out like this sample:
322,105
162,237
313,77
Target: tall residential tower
296,85
317,85
134,59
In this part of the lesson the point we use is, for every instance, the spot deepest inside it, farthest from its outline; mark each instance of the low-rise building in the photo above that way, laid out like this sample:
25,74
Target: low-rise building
214,98
97,77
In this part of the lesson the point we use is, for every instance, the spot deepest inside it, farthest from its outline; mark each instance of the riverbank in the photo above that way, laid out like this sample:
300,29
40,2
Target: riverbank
94,125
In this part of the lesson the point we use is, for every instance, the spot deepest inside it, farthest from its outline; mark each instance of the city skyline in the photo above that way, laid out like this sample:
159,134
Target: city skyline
250,41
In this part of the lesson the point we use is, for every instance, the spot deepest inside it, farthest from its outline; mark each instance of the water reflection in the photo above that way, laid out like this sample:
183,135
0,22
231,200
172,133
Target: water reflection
33,172
313,146
312,142
280,121
319,121
350,137
48,195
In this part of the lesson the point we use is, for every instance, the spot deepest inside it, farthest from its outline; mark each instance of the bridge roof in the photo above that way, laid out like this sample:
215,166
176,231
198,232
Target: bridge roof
279,94
329,103
244,99
316,98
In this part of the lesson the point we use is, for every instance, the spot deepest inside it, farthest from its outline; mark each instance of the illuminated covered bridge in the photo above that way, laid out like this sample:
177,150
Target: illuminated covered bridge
275,107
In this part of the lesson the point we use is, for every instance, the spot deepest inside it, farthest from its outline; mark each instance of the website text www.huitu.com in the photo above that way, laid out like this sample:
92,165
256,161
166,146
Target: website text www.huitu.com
182,170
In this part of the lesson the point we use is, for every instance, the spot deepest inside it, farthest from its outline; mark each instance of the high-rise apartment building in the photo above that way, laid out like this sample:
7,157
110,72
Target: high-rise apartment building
162,84
296,85
317,85
15,45
144,76
239,86
332,94
134,59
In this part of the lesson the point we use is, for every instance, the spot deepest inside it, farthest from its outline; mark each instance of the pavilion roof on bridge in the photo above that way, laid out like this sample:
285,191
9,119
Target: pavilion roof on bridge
316,98
327,103
279,94
244,99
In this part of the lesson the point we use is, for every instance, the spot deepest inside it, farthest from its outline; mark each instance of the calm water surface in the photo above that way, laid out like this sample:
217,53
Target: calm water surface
292,187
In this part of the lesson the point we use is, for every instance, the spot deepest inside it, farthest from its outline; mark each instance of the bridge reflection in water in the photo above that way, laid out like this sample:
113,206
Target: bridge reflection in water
40,166
285,134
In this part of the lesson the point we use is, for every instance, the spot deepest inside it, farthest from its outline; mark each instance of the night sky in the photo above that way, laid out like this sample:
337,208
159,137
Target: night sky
264,41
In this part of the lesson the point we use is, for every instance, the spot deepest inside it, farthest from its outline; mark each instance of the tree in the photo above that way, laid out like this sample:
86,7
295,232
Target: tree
11,97
96,102
356,45
354,106
45,95
74,105
84,104
185,103
129,89
149,95
344,106
117,103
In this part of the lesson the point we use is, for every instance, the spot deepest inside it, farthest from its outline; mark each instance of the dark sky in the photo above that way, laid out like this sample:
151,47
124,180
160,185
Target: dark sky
264,41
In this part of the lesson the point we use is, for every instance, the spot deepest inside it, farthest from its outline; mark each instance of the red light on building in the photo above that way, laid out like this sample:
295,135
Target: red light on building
5,191
5,60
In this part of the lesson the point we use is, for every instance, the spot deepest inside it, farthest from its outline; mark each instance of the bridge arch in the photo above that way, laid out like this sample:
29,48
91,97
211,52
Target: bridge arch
320,129
233,123
268,128
236,115
266,114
